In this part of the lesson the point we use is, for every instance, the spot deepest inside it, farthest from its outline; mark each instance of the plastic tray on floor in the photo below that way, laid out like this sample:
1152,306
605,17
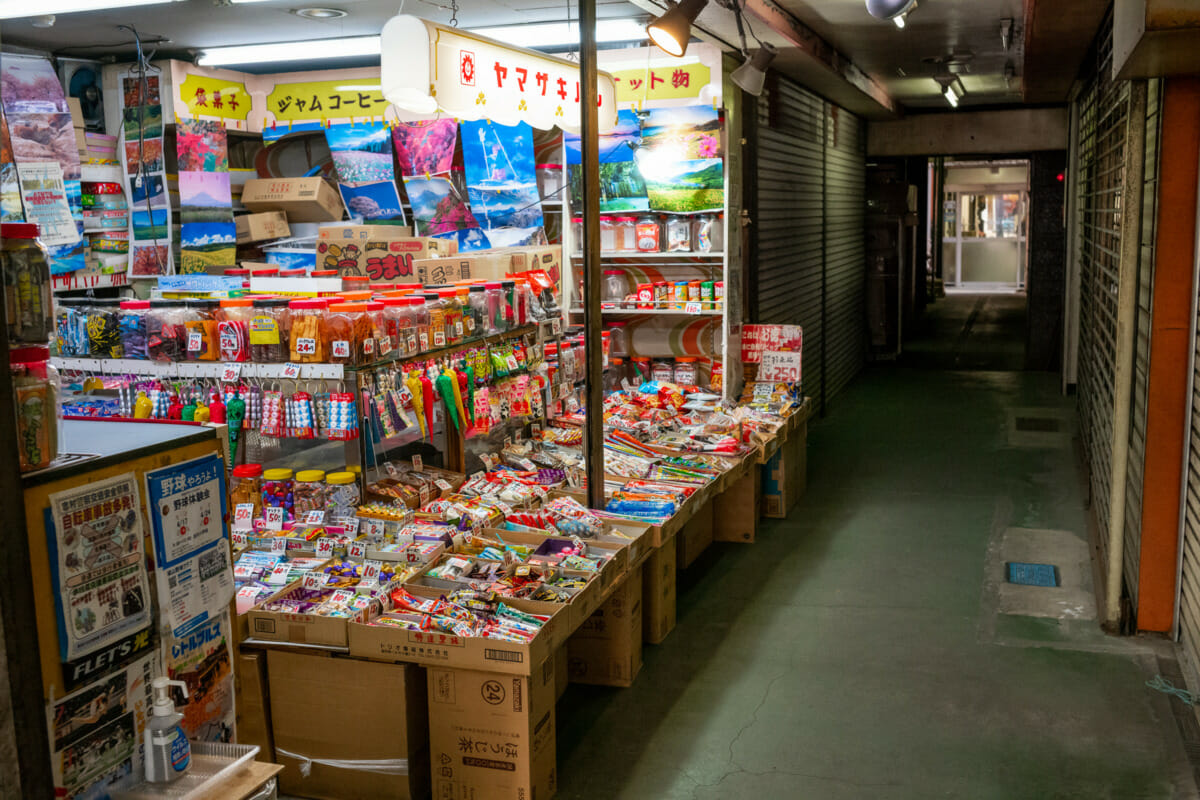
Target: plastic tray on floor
212,762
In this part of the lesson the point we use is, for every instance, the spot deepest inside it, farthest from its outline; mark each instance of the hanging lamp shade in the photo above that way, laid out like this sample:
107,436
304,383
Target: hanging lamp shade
672,31
428,68
753,74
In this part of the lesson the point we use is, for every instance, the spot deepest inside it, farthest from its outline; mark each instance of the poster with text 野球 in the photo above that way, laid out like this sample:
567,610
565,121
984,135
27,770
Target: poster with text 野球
95,537
203,659
95,731
502,182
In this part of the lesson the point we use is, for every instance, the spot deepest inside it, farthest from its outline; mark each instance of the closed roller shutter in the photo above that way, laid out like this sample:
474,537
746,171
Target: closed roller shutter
845,265
1188,622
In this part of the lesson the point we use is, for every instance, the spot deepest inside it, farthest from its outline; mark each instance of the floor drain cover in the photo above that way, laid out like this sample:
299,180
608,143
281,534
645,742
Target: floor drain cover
1037,424
1032,574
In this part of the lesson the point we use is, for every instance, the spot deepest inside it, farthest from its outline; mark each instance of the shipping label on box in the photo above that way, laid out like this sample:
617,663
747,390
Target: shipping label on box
302,199
262,226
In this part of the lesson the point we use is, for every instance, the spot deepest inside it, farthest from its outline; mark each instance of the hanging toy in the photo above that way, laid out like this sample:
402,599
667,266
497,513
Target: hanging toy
216,409
201,414
272,414
235,413
175,408
302,415
343,416
143,407
427,401
446,384
456,391
416,395
189,412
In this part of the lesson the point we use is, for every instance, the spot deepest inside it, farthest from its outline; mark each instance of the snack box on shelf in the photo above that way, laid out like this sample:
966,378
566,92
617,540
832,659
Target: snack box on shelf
308,627
612,553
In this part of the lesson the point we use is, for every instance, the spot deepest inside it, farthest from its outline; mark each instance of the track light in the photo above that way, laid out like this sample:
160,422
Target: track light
890,9
753,73
899,20
952,89
673,29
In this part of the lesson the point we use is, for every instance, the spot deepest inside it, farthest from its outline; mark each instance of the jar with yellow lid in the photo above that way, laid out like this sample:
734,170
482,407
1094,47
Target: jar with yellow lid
278,491
309,492
343,497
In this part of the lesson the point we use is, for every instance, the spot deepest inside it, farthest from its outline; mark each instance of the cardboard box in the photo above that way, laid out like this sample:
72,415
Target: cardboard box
277,626
380,252
76,109
696,536
382,643
561,675
258,227
492,736
81,143
731,522
493,265
253,703
302,199
658,594
607,648
784,476
325,707
543,257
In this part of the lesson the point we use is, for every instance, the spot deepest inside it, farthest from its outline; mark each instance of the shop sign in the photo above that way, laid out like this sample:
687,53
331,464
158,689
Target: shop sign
206,96
336,99
758,339
661,83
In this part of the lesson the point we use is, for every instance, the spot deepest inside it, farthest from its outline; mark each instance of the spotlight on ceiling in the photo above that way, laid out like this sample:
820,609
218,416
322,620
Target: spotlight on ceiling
753,73
673,29
952,89
890,9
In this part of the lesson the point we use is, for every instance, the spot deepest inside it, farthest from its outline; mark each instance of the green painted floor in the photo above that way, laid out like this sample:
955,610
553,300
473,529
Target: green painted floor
857,649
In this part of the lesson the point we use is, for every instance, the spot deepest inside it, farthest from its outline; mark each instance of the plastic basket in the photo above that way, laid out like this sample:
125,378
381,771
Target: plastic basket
212,762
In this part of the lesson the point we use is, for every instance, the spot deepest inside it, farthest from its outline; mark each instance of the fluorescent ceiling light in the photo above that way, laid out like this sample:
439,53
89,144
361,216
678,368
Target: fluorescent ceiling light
556,34
311,50
951,96
899,20
16,9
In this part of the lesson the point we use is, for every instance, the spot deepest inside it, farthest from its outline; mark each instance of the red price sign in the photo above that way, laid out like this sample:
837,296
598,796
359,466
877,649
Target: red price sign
239,539
371,569
273,515
230,372
279,545
291,371
315,580
305,346
279,574
779,367
315,518
324,547
357,550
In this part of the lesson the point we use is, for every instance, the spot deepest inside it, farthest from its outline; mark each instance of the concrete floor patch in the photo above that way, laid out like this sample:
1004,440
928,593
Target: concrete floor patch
1039,427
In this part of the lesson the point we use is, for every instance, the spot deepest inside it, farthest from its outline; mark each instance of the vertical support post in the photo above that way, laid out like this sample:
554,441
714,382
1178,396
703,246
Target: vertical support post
1071,291
593,432
1127,289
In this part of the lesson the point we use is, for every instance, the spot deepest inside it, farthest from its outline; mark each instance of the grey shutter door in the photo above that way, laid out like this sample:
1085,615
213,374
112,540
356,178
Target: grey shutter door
1189,556
845,250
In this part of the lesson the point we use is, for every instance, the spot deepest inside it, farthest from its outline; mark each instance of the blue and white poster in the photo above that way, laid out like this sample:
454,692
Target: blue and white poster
186,503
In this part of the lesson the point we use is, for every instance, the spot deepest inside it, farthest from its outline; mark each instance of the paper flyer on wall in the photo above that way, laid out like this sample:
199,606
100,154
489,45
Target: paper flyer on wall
204,661
95,732
95,541
191,555
140,147
45,199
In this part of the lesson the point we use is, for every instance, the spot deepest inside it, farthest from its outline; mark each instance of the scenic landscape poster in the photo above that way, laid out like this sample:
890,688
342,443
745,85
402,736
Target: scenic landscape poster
378,200
362,153
151,122
426,147
201,145
438,206
502,182
208,232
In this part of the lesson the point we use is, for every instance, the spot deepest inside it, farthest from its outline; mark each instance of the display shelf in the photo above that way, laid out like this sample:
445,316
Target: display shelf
196,369
634,312
73,281
674,254
101,173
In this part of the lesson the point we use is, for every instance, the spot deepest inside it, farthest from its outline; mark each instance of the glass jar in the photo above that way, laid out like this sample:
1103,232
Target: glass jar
716,378
494,321
550,180
35,401
355,283
454,315
270,324
306,339
203,342
640,369
617,343
613,375
577,235
685,371
649,232
233,329
269,272
662,371
71,323
343,496
378,344
133,328
477,309
511,314
420,312
436,309
616,287
626,234
608,234
679,234
278,491
309,492
346,328
706,233
245,487
27,287
104,328
165,334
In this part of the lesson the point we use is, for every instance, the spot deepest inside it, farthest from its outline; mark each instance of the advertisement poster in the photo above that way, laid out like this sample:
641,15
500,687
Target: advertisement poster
95,732
95,540
759,339
191,554
10,188
45,198
203,660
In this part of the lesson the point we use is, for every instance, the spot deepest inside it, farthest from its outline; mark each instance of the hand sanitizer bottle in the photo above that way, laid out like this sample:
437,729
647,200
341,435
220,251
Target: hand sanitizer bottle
168,752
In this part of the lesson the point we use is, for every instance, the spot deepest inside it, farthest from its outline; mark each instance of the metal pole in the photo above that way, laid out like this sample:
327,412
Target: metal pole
593,432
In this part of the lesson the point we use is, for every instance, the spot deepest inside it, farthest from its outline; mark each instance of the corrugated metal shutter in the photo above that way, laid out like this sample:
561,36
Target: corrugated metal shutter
845,256
1188,624
809,230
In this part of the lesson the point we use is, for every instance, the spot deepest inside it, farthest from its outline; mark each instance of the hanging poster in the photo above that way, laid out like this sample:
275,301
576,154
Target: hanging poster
203,660
95,540
378,200
202,145
209,236
10,186
95,732
45,199
468,239
362,156
426,147
438,205
191,554
681,159
502,182
141,151
621,186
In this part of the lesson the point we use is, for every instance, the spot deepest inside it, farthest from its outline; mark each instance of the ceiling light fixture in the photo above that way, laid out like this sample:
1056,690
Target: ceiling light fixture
311,50
890,9
753,73
899,20
1006,31
320,13
17,9
952,88
559,34
673,29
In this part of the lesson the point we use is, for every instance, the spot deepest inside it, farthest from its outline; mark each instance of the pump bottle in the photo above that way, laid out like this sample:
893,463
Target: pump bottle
168,752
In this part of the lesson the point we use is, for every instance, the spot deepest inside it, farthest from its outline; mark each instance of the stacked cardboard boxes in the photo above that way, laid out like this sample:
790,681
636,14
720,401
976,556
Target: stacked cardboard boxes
607,648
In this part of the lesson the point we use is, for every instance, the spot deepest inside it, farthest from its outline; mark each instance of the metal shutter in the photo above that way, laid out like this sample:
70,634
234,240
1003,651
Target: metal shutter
1187,624
811,203
791,175
845,256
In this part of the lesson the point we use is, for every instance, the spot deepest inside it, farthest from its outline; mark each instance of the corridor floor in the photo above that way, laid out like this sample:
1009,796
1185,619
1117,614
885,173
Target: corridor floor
858,648
969,331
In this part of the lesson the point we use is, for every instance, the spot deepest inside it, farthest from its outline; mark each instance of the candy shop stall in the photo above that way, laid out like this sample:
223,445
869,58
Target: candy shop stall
323,420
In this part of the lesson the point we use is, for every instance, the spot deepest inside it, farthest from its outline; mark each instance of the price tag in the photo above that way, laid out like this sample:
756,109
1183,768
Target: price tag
368,346
291,371
692,307
487,461
239,539
556,326
341,597
508,441
230,372
777,367
279,545
341,348
357,550
439,338
390,468
346,523
573,478
572,404
424,338
279,574
306,346
442,484
274,517
243,516
314,517
360,602
418,464
458,329
248,592
374,529
325,547
195,342
371,569
564,389
511,362
535,431
243,571
425,493
412,555
315,580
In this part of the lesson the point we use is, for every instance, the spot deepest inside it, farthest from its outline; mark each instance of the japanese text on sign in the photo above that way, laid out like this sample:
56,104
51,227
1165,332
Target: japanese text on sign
661,83
779,367
214,97
358,97
758,339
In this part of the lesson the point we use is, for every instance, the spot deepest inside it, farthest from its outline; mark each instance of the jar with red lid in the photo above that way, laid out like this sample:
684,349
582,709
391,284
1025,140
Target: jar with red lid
245,487
453,312
306,337
354,283
35,399
297,272
270,326
133,328
323,273
649,233
237,273
618,344
346,329
494,319
27,287
378,344
268,272
419,309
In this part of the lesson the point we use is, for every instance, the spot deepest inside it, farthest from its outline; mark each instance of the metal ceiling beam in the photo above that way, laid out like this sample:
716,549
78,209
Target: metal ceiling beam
1057,36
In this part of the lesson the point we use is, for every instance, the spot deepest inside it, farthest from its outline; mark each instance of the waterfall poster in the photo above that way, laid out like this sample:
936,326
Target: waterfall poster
502,182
